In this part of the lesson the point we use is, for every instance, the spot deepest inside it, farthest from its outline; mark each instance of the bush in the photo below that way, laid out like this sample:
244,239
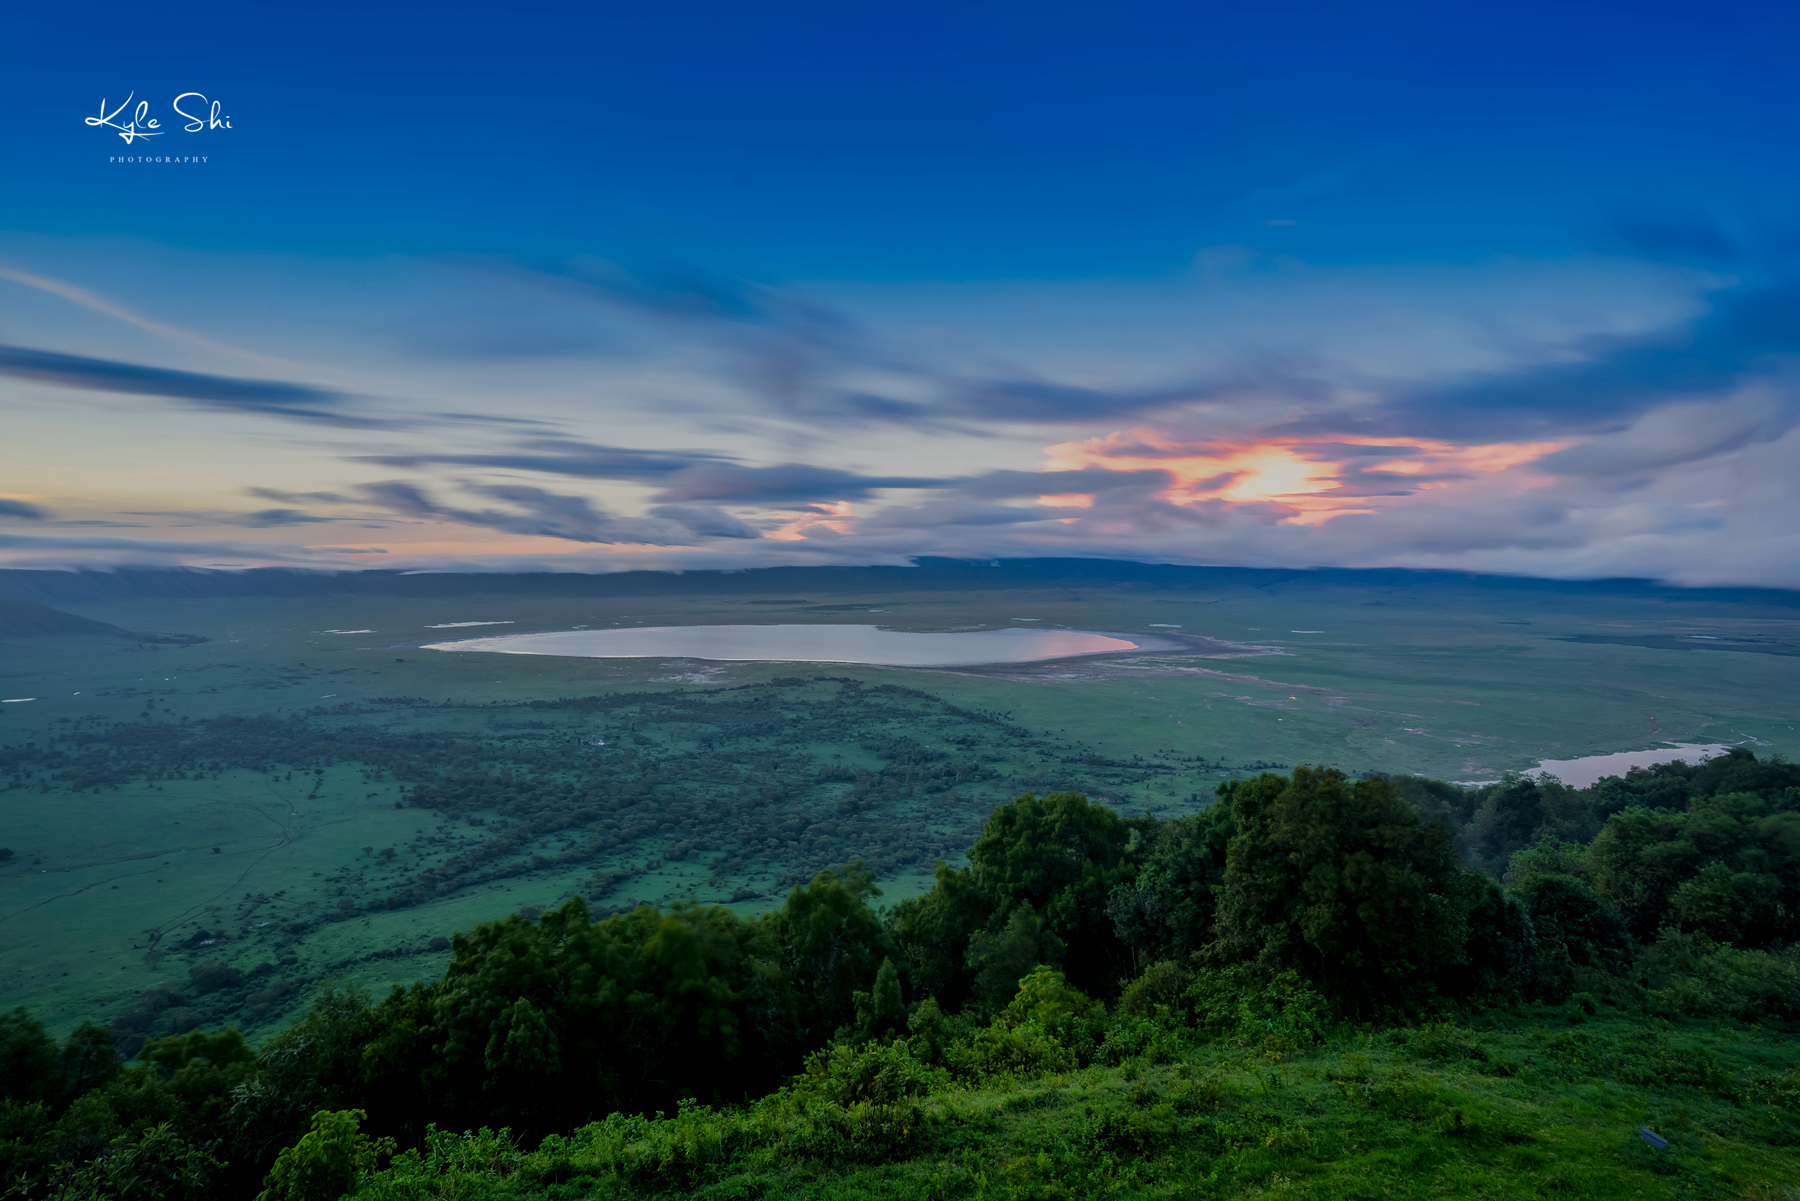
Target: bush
1046,1027
328,1160
1027,1050
1690,975
1236,1002
157,1165
1162,984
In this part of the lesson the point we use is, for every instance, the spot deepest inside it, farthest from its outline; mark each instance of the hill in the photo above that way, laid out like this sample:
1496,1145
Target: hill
27,619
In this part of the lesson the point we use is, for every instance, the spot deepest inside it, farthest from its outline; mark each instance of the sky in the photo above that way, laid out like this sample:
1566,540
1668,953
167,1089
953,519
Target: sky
1501,288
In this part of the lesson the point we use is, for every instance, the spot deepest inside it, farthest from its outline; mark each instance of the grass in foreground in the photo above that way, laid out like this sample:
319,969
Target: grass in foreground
1530,1106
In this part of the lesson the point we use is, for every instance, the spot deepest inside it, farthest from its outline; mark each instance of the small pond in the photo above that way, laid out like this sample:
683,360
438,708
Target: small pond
803,644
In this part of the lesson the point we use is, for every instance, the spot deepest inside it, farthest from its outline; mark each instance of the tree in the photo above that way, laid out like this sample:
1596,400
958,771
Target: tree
1167,912
1343,883
829,944
548,1023
89,1059
881,1011
1002,960
934,932
1063,855
1728,866
30,1069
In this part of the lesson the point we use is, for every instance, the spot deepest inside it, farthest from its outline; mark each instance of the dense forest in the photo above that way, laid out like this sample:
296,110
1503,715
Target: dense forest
1185,960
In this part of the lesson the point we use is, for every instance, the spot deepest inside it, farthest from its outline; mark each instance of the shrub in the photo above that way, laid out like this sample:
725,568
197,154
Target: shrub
327,1161
1690,975
157,1165
1237,1002
1161,984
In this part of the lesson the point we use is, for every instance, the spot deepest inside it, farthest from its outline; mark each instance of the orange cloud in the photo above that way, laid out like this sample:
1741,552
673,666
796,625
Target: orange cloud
1298,474
1068,500
835,516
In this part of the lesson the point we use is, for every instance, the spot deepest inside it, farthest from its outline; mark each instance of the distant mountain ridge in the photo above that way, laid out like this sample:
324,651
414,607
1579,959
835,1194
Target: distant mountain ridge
28,619
927,574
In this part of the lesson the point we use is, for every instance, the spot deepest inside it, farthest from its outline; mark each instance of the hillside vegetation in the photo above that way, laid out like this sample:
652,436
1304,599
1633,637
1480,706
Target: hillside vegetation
1315,987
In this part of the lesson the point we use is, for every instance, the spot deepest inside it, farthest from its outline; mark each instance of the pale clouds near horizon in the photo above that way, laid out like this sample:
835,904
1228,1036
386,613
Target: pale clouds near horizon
1600,416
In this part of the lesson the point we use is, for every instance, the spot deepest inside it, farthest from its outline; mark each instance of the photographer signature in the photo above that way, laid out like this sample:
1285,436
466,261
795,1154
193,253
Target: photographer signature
140,124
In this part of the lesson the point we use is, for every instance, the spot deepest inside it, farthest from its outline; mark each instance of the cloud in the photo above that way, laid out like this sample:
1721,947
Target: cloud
955,513
537,512
1598,384
63,550
1094,481
268,398
785,485
23,511
806,360
706,522
273,517
1589,432
562,456
297,498
682,475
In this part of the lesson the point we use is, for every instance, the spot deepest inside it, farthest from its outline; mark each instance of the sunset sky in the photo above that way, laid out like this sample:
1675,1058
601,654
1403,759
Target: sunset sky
1509,288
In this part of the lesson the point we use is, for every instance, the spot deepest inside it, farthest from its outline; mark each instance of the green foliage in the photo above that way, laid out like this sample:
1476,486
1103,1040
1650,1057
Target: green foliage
1721,863
828,944
934,932
1047,1026
157,1165
328,1161
1277,1013
1036,891
1292,903
541,1019
201,1071
1167,912
1002,960
1160,985
1441,1110
1574,929
1062,855
1689,975
880,1011
1518,811
29,1066
90,1059
1344,884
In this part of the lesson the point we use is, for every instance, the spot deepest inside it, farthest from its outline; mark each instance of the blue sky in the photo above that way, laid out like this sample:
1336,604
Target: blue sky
1505,288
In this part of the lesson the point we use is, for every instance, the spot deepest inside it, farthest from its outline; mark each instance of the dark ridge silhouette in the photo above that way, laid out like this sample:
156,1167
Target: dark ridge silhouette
925,575
28,619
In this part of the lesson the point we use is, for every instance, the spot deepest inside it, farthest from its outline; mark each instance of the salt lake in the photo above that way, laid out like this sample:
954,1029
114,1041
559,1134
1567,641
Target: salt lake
868,644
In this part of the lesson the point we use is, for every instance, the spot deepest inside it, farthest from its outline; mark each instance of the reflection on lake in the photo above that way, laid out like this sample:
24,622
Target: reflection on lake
1586,771
802,644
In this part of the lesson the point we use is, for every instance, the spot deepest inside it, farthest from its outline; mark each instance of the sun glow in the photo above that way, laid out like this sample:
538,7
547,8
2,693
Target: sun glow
1304,481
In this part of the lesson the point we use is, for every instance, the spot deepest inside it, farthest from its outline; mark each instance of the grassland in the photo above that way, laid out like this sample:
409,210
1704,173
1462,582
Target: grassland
1459,681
